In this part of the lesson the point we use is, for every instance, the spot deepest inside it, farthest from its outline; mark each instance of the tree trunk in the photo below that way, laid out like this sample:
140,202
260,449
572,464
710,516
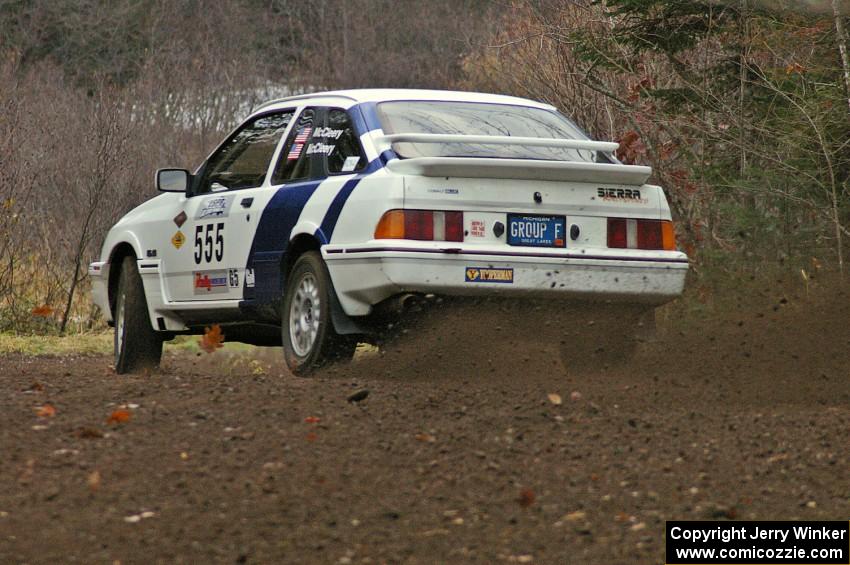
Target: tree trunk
841,38
742,77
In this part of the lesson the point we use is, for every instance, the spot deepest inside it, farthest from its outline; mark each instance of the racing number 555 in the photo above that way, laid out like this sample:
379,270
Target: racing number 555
205,245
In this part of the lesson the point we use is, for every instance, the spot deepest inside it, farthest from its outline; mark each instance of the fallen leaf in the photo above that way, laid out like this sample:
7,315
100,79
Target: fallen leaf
311,437
574,516
42,311
575,395
312,419
135,518
212,339
795,68
428,438
526,497
46,411
118,417
555,398
35,387
94,481
88,433
358,395
28,472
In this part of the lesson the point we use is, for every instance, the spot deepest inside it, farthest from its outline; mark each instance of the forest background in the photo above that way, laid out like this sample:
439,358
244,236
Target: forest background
742,108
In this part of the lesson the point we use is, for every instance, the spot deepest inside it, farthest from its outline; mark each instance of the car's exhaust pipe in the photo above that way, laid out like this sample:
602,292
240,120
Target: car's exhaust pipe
396,306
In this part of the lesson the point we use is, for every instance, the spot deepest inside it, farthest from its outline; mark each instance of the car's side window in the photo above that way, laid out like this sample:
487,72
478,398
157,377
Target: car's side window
294,160
243,160
338,141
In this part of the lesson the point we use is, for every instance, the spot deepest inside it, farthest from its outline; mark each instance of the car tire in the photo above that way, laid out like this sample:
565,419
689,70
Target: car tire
136,345
309,338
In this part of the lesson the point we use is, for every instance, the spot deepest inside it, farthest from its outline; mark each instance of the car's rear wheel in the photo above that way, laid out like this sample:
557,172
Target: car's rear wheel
136,345
309,339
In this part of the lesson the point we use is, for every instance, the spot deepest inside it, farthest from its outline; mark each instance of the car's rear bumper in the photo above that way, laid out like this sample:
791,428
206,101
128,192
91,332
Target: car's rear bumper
366,275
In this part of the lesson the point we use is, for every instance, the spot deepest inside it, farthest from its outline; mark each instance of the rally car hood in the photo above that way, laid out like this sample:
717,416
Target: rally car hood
140,212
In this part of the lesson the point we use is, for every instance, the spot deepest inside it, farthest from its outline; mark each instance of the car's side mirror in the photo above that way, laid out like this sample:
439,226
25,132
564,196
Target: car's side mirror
173,180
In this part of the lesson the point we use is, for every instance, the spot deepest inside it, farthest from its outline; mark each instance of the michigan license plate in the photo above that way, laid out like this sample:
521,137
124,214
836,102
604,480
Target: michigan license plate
537,231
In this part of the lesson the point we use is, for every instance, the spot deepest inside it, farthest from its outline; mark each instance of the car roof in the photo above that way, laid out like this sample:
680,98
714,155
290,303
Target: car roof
356,96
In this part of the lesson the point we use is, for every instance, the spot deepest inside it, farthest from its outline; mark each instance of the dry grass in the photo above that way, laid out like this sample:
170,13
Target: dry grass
79,344
99,343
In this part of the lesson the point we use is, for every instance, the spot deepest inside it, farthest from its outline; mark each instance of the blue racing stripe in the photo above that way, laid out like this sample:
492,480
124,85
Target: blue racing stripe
326,230
272,238
278,219
365,116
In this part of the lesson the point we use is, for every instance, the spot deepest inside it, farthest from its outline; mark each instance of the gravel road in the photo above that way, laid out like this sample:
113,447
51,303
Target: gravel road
451,451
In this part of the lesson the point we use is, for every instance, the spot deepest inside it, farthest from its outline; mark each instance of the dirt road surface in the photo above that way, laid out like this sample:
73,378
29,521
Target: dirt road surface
457,454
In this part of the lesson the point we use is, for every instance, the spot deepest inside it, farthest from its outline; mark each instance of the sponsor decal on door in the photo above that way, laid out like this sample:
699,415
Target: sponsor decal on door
217,207
210,282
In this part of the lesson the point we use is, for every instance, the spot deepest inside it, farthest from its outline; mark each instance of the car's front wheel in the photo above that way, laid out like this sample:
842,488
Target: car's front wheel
136,345
309,339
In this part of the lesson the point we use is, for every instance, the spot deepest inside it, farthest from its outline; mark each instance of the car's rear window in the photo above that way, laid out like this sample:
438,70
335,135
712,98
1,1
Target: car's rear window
471,118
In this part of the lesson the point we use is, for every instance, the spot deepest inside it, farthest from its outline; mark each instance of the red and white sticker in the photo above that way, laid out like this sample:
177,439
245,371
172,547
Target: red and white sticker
477,228
210,282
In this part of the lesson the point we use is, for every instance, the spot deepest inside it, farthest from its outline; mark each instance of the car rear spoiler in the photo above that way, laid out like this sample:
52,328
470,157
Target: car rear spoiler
587,144
533,169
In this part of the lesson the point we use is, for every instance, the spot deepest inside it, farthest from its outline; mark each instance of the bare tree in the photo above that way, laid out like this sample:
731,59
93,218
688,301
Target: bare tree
841,39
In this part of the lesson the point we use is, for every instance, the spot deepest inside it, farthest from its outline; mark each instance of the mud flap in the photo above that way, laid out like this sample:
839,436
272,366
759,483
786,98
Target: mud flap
343,323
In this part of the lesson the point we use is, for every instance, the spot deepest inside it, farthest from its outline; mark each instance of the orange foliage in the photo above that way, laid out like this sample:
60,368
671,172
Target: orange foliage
46,411
118,417
795,68
526,497
631,147
212,339
42,311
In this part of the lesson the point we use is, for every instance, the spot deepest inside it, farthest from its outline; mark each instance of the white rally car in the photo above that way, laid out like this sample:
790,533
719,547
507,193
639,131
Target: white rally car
320,208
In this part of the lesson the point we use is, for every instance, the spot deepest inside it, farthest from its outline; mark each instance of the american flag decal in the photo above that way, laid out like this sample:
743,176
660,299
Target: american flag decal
298,143
295,152
303,135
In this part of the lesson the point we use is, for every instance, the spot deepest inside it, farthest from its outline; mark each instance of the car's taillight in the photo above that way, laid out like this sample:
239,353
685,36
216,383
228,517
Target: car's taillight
617,236
418,224
453,225
641,234
424,225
